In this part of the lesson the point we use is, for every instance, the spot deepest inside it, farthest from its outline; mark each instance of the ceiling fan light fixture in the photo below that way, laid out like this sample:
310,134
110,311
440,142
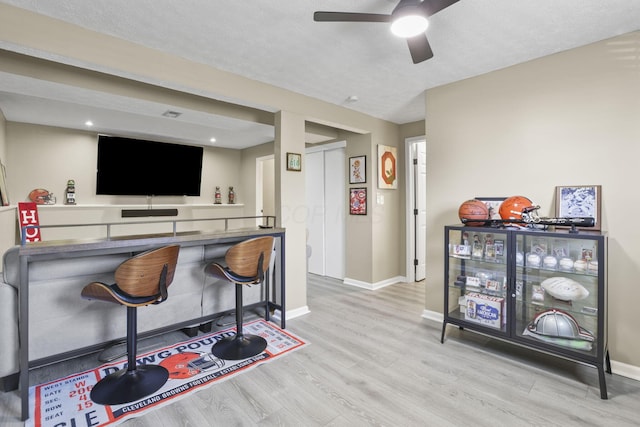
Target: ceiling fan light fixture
409,25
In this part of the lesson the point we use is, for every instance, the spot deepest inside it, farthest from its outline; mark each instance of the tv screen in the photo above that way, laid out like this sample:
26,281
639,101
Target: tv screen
134,167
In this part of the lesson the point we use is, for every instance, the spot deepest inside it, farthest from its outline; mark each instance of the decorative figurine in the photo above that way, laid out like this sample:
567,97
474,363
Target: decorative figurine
217,196
70,193
40,196
232,196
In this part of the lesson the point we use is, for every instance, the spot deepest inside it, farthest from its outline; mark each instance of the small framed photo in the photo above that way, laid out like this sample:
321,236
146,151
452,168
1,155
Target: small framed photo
357,170
579,201
493,204
294,162
358,201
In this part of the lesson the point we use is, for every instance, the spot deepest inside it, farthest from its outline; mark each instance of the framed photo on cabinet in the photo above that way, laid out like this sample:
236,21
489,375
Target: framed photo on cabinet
358,201
493,204
357,170
579,201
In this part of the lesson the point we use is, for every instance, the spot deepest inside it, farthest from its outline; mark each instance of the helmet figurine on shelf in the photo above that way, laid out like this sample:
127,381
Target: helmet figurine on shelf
473,210
40,196
560,328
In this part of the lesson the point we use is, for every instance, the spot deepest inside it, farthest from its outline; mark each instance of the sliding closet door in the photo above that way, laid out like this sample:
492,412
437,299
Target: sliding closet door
335,201
326,204
314,170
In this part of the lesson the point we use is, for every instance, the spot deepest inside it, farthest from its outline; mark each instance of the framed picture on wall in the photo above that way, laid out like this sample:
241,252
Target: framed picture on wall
358,201
579,201
387,167
294,162
357,170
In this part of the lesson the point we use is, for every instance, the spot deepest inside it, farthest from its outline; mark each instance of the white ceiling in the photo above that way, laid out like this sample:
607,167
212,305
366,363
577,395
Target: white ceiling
277,42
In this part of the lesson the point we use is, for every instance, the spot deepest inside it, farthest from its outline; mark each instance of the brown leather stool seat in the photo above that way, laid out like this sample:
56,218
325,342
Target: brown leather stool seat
140,280
246,264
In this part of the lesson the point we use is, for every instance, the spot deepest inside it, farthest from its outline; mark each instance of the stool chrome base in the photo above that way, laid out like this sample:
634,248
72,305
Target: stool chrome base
125,386
239,347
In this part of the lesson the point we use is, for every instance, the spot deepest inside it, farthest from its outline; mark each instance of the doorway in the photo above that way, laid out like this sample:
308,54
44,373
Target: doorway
416,159
265,187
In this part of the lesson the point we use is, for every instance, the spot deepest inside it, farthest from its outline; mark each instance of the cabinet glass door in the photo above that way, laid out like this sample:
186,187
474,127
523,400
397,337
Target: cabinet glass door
556,290
477,277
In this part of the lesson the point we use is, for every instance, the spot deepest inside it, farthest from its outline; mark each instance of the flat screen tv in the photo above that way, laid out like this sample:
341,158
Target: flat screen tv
134,167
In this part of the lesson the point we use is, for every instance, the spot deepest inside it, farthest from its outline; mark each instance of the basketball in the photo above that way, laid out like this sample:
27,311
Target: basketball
473,209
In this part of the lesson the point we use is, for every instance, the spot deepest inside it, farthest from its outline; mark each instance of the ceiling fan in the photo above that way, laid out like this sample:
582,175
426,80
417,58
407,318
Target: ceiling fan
408,20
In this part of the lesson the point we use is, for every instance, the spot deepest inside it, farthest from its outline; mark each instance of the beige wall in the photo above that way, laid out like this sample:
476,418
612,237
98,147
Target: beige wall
46,157
566,119
359,236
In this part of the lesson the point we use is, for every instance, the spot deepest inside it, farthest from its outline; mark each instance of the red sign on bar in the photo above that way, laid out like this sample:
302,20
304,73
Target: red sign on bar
29,222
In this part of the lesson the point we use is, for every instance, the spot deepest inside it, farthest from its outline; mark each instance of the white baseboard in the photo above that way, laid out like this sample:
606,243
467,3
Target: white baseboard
618,368
291,314
374,286
433,315
625,370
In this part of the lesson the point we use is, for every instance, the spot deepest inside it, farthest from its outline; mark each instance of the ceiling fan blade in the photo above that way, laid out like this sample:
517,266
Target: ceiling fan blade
433,6
350,17
419,48
405,3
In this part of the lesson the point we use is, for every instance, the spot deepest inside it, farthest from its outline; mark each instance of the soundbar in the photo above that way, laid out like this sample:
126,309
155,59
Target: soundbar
137,213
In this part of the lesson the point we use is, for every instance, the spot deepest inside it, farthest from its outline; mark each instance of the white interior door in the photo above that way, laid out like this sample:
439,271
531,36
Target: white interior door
314,183
416,217
420,173
334,212
265,188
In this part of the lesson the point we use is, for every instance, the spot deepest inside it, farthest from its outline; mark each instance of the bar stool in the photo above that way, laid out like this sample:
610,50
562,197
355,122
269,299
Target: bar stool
246,264
140,281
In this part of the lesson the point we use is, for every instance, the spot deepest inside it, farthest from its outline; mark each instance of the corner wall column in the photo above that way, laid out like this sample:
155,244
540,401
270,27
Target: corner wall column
291,211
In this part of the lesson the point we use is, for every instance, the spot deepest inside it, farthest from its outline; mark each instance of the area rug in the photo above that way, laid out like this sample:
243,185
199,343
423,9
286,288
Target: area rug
66,401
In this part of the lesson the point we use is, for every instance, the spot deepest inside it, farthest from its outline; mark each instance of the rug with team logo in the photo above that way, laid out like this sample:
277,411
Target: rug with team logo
191,366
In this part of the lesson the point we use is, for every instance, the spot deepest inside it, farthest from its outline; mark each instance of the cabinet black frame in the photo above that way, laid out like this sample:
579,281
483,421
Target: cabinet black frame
601,360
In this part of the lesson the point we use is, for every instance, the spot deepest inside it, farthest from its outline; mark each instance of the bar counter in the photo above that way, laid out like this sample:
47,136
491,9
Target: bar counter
61,249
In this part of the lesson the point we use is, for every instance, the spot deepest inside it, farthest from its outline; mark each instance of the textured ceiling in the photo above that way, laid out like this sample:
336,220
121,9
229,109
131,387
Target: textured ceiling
277,42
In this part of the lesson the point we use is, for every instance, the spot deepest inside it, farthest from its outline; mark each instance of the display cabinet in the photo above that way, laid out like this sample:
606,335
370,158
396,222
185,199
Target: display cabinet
540,289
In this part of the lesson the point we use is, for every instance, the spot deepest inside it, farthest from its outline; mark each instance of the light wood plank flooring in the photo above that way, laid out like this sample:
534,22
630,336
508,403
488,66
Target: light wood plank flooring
374,361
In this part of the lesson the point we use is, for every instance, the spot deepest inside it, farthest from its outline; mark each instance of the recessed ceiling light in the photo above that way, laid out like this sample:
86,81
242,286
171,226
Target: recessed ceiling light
172,114
352,98
212,140
88,123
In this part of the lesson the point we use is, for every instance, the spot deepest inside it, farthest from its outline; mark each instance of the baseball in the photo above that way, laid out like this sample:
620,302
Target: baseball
533,260
580,265
550,262
566,263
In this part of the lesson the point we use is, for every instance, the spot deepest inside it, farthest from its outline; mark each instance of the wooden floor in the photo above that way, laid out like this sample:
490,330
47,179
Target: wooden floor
374,361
